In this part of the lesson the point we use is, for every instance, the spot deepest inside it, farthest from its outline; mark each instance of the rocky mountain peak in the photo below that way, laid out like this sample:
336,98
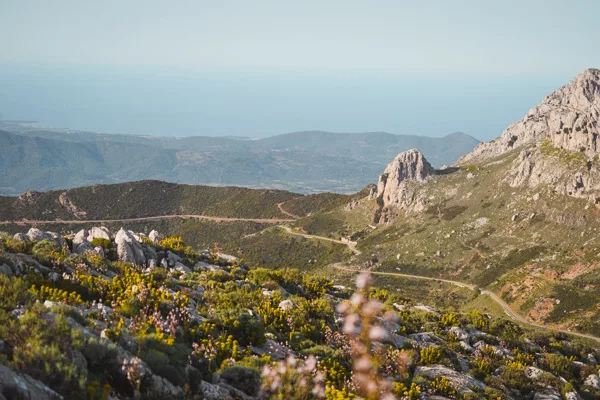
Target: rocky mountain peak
394,185
568,117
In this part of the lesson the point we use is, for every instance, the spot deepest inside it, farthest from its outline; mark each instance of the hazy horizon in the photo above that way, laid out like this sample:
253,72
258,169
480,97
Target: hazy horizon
161,101
236,68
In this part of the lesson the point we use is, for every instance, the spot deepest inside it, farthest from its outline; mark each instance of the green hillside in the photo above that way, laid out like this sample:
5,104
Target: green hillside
144,199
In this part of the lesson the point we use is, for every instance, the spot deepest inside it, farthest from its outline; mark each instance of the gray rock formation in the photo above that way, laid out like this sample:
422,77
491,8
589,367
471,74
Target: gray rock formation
568,117
154,236
98,232
396,186
129,248
22,386
463,383
34,234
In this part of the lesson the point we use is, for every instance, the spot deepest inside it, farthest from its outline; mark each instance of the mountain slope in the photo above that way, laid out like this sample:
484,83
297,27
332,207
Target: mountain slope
522,222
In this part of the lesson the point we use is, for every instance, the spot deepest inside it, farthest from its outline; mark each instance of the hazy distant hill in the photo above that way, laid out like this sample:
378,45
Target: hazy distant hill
46,159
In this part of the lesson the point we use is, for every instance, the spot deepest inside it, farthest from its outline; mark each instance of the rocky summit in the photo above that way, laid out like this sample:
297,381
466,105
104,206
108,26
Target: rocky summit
395,187
568,117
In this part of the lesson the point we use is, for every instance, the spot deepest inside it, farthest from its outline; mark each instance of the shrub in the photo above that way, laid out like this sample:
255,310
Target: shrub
102,242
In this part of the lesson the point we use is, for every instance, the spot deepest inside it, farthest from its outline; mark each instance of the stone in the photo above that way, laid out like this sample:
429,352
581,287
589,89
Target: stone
286,305
535,197
6,270
227,259
462,382
396,185
20,236
514,218
572,396
154,236
546,396
459,333
34,234
22,386
214,392
83,247
273,349
98,232
426,339
181,268
79,238
129,248
245,379
593,381
172,258
479,222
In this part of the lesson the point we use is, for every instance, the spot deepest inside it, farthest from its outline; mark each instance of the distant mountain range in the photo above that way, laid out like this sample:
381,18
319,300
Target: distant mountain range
34,158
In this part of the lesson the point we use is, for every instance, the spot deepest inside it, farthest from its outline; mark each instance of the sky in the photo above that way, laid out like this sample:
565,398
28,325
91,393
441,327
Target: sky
259,68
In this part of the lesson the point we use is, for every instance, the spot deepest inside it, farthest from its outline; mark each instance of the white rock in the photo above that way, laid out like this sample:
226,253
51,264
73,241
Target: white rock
154,236
98,232
129,248
286,305
593,381
181,268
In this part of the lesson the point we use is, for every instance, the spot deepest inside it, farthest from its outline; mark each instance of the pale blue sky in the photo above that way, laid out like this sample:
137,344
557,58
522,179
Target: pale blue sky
267,67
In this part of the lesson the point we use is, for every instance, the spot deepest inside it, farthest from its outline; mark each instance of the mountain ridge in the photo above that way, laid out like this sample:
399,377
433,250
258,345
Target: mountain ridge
326,162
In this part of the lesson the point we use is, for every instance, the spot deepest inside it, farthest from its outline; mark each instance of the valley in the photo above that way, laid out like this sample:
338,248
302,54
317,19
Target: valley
477,280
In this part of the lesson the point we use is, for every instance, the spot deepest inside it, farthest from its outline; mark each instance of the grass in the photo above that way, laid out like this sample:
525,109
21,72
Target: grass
308,205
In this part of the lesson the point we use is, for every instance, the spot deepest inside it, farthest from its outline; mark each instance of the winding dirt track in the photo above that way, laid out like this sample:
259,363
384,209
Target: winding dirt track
492,295
351,245
280,206
187,216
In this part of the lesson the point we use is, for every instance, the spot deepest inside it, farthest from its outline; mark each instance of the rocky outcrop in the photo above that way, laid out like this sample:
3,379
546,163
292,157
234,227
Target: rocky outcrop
36,235
100,232
568,117
561,171
22,386
463,383
154,236
129,248
398,185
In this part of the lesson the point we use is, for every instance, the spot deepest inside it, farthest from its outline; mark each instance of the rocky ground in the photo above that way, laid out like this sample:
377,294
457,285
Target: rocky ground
103,314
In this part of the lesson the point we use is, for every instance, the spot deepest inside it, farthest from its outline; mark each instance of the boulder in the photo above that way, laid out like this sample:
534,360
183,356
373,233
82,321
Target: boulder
459,333
273,349
6,270
214,392
20,236
154,236
98,232
22,386
129,248
181,268
463,383
34,234
593,381
83,247
172,258
425,339
286,305
79,238
245,379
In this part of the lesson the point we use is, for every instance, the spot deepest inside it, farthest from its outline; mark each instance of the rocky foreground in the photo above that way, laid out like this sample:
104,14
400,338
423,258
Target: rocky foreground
99,314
